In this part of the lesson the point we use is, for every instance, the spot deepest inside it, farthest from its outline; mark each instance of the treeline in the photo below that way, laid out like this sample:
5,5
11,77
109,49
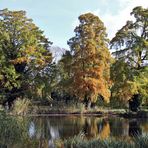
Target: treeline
85,73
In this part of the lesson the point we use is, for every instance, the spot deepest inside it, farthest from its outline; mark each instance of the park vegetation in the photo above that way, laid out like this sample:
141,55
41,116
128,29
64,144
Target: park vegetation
88,73
79,141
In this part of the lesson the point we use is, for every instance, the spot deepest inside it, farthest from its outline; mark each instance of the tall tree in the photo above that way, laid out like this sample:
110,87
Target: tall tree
24,54
65,72
91,59
131,44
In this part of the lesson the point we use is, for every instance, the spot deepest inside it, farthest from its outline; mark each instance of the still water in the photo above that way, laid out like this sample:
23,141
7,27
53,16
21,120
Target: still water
41,132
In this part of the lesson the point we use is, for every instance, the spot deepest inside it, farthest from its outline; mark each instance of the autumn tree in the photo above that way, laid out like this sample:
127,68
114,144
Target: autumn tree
130,68
91,60
24,55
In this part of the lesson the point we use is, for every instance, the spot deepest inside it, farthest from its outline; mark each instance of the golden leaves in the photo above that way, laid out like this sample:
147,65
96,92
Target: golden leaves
20,60
32,54
91,59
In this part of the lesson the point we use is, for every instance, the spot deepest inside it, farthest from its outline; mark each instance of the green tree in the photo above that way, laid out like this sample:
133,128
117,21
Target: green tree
121,74
90,66
65,73
130,68
24,54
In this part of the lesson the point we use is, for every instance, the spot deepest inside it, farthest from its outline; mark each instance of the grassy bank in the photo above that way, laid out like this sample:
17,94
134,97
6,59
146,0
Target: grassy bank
59,107
26,107
79,109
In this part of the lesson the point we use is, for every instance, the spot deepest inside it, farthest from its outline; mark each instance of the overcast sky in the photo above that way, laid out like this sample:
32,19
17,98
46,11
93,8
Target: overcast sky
58,18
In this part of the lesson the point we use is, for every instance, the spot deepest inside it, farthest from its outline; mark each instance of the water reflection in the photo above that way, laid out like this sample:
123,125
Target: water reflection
105,131
43,131
134,128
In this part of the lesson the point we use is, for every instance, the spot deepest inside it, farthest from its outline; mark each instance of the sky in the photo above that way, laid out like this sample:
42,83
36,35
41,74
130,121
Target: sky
58,18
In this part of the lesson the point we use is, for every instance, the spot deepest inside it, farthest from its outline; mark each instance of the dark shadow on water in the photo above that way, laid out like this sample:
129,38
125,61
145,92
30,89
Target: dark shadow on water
134,128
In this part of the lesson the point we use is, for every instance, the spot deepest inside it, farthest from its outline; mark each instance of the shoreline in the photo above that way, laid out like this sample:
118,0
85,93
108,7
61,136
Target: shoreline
139,114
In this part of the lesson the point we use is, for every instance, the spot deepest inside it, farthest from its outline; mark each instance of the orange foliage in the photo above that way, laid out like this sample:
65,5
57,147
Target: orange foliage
91,59
31,54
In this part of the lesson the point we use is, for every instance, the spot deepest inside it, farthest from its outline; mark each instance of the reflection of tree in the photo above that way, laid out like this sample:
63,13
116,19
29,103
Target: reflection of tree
105,132
41,127
134,128
48,129
96,128
14,133
144,127
90,128
42,131
71,126
119,127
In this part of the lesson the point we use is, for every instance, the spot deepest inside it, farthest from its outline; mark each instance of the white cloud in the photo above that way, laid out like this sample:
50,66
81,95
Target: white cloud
114,22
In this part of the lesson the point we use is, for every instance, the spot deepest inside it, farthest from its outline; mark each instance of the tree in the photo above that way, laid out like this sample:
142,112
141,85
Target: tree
131,44
24,54
90,60
64,87
120,75
65,73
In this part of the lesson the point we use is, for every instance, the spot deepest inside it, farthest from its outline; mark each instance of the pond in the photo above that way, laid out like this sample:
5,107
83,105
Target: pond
41,132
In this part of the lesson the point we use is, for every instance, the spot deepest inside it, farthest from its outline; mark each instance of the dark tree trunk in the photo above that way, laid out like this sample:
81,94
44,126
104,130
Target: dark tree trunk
87,102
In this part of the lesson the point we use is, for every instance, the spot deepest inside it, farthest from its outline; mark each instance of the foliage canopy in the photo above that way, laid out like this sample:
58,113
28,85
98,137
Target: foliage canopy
129,72
24,54
91,59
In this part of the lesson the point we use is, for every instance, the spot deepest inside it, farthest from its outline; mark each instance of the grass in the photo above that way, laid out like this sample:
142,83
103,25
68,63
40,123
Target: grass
59,107
25,107
80,142
21,107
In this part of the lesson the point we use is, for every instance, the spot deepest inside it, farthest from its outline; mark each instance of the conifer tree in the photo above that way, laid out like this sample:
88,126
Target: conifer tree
90,64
